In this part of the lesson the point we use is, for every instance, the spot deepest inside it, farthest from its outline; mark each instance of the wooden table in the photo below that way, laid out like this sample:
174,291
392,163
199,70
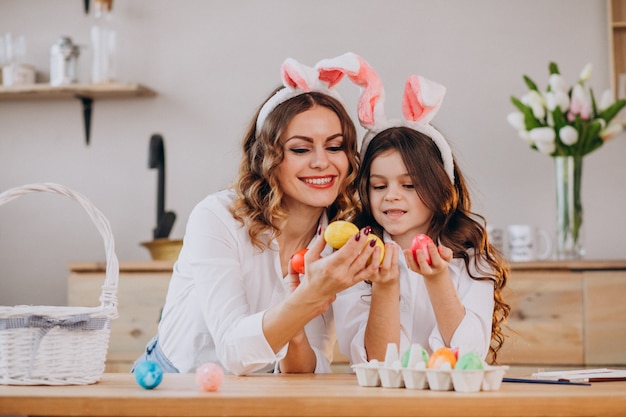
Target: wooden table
306,395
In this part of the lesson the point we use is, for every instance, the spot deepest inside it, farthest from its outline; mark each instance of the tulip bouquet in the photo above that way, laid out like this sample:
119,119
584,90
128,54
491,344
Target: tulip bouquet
563,120
566,123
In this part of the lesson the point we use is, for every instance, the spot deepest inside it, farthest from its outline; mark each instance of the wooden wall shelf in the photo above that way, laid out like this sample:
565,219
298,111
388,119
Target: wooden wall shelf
93,91
86,93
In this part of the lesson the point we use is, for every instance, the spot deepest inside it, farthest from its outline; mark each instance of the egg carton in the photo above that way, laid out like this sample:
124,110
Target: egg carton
415,374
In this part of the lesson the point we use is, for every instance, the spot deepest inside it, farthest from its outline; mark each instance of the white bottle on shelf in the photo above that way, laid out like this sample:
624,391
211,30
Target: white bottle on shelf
64,62
103,43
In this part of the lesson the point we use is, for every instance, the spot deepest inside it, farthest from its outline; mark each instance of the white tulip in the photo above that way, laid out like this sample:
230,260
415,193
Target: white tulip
562,100
543,138
535,101
585,74
550,119
551,101
557,83
606,100
516,119
611,130
546,148
568,135
542,134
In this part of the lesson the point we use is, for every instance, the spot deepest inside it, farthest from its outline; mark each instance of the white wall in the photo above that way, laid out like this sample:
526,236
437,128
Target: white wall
212,62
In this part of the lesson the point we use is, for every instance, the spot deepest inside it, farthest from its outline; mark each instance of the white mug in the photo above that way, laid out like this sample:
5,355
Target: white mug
523,243
496,237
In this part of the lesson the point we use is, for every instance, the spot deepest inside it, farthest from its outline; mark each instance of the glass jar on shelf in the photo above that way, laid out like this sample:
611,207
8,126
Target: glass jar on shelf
103,43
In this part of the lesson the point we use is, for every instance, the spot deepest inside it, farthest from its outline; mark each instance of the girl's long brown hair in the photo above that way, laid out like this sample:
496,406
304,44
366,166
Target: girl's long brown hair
259,202
453,223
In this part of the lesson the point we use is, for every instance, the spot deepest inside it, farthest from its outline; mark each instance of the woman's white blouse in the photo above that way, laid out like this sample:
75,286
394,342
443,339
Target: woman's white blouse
417,318
220,288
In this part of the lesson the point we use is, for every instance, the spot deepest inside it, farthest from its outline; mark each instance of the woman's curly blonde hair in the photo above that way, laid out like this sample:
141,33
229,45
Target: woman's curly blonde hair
259,203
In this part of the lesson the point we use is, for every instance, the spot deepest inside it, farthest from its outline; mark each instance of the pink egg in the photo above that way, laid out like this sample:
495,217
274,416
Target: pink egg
209,376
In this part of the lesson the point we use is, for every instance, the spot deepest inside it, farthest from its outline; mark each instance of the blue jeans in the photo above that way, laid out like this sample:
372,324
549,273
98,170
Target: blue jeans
154,353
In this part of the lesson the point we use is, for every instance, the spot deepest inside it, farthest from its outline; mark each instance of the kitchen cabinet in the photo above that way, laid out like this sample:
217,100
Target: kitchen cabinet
86,93
566,313
617,44
562,312
141,294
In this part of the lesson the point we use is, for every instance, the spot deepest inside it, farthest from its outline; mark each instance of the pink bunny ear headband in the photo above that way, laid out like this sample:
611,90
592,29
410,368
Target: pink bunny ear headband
421,100
300,79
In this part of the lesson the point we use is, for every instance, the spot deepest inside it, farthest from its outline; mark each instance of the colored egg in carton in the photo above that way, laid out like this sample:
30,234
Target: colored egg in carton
439,372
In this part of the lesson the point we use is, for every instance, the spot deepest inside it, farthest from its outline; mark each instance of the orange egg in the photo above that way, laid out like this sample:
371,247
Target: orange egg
441,356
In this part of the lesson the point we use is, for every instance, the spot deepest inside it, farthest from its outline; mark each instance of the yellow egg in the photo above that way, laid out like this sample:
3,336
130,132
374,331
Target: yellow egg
380,244
338,232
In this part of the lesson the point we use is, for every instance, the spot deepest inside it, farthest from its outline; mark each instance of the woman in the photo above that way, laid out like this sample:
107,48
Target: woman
233,297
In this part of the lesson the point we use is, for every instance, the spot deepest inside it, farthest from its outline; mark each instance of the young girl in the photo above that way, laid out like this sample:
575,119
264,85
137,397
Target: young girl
409,185
233,297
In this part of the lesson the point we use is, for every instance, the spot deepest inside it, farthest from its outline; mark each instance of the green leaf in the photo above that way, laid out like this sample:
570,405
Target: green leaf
610,112
577,148
594,107
529,118
559,118
593,139
554,69
593,145
520,106
530,83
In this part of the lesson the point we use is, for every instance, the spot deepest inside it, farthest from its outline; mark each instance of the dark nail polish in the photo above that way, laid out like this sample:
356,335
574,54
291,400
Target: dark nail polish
358,236
319,230
367,230
373,242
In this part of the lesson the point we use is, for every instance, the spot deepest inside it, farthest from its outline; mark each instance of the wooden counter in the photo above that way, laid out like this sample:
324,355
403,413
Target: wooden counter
570,313
306,395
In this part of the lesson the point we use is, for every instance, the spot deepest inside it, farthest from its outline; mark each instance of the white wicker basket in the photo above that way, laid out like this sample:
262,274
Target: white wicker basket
59,345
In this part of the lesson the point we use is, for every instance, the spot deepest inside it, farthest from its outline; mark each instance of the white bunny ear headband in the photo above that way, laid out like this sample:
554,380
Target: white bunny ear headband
421,100
300,79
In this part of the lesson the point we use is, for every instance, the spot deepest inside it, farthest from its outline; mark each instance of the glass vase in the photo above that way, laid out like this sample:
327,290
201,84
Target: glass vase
569,231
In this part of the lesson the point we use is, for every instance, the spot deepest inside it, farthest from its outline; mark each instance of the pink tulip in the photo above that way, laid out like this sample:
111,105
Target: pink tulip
580,104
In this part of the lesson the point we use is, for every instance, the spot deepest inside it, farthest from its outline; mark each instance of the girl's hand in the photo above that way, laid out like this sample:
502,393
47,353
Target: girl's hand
440,260
389,272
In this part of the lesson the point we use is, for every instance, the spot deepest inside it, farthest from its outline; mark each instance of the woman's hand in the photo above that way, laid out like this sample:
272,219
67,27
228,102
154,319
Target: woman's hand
326,276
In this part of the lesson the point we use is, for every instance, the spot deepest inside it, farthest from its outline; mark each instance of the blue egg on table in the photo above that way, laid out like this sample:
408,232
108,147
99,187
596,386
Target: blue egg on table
148,374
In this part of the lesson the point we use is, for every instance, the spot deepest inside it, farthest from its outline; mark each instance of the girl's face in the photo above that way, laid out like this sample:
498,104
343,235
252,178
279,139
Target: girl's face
394,202
315,163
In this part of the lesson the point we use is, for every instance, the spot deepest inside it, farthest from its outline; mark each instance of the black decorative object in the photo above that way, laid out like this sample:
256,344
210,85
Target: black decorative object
165,220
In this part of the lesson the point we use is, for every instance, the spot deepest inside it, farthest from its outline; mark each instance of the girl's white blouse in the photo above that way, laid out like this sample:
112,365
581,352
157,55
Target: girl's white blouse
417,318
